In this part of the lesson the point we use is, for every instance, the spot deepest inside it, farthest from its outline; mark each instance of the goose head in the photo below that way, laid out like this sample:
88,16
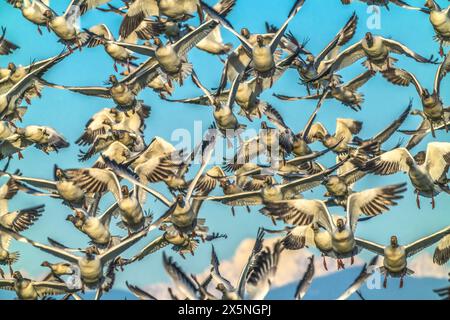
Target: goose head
369,39
45,264
49,15
59,173
260,41
432,5
225,184
158,43
18,4
180,201
12,67
310,58
394,242
245,33
17,275
125,191
113,80
268,181
426,94
340,224
420,157
221,288
91,252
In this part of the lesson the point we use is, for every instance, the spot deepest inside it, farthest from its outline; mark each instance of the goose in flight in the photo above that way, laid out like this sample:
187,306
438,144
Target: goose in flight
101,35
433,107
345,129
340,186
262,55
377,50
91,264
179,10
346,93
440,20
61,187
188,286
99,181
312,65
96,227
11,98
13,74
396,255
417,135
428,178
33,11
247,93
230,292
67,26
27,289
273,192
6,47
338,238
170,59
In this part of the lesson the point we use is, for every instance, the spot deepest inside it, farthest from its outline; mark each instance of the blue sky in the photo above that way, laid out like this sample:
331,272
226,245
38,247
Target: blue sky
68,112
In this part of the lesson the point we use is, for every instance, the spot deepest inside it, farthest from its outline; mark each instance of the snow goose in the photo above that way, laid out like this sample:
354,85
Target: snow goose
181,243
346,93
345,129
433,107
57,270
263,271
273,192
33,11
44,138
366,272
11,98
177,10
15,73
94,180
428,178
229,292
95,227
101,35
91,264
261,54
170,58
439,19
340,186
396,255
20,220
188,286
418,134
376,49
133,141
313,65
61,187
123,92
6,47
305,282
247,94
27,289
339,231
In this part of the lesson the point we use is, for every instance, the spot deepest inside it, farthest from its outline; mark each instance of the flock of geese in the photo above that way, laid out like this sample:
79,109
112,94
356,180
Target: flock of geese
160,31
